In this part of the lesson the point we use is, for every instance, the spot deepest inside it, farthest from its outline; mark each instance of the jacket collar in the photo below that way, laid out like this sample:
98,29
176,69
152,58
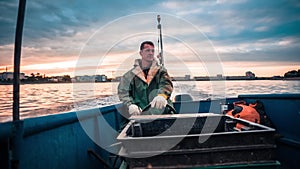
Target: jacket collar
137,70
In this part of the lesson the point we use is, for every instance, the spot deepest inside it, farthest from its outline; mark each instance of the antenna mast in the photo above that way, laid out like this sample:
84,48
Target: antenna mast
161,58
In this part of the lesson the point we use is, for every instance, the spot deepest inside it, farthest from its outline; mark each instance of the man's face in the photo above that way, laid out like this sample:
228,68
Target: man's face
147,53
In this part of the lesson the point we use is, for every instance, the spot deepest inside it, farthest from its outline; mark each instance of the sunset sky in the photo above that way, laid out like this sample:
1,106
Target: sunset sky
200,38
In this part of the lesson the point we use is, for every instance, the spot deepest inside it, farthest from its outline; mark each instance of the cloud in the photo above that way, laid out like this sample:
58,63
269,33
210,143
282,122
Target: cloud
265,50
241,31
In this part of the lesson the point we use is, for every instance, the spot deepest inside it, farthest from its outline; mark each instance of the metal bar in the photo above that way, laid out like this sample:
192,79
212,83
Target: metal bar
17,127
17,60
16,143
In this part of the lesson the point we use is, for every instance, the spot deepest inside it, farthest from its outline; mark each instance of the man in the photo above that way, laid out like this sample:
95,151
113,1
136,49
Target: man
146,83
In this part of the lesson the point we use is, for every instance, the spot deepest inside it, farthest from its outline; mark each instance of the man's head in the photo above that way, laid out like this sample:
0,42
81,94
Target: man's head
147,51
145,44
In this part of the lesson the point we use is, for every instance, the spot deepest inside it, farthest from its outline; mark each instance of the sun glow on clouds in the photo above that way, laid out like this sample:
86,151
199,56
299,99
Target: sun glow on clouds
241,32
91,65
48,67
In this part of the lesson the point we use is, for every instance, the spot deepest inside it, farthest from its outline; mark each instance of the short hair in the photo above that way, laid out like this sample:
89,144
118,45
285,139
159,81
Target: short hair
146,42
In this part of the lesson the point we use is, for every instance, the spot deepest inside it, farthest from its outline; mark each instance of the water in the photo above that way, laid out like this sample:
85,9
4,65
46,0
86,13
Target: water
45,99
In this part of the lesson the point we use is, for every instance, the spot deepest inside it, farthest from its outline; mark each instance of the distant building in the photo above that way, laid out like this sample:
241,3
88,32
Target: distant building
64,78
7,76
184,78
100,78
86,78
217,77
187,77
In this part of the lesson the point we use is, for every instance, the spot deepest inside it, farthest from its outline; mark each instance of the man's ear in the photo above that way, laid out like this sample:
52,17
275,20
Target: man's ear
140,52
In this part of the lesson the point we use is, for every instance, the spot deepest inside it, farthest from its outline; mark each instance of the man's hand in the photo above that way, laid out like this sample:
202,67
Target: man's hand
134,110
159,102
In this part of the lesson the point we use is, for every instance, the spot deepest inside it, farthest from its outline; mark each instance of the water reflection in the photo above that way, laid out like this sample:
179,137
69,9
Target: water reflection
44,99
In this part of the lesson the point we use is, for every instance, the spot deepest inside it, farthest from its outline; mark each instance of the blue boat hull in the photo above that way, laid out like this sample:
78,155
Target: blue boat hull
71,140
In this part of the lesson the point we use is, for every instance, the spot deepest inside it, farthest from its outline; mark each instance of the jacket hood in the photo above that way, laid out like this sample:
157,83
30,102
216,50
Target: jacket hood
137,70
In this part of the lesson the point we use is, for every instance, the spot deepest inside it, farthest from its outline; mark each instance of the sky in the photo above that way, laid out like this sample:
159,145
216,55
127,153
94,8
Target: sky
200,38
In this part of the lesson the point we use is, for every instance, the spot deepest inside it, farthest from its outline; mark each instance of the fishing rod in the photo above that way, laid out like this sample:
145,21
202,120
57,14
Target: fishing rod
161,58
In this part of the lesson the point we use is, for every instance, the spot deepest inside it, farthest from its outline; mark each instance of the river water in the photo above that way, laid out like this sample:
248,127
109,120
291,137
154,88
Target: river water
45,99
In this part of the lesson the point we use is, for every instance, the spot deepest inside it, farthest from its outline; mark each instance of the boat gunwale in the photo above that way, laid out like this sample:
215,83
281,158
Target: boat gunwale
39,124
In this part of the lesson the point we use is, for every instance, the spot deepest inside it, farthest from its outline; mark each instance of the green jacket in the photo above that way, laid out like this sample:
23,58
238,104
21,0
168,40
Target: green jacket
134,88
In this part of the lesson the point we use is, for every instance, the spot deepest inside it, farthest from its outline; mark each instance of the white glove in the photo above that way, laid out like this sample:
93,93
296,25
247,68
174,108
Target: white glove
159,102
134,110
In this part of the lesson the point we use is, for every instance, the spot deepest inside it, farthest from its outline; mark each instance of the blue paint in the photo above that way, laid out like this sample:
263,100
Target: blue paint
59,141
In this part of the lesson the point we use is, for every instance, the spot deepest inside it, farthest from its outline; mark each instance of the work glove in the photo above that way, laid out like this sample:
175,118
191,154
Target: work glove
159,102
134,110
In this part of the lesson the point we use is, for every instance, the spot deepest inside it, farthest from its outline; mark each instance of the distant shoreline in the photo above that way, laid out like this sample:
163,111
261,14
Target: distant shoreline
234,79
197,79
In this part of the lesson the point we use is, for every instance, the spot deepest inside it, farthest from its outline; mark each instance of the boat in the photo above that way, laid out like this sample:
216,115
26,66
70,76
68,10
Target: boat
90,138
71,139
